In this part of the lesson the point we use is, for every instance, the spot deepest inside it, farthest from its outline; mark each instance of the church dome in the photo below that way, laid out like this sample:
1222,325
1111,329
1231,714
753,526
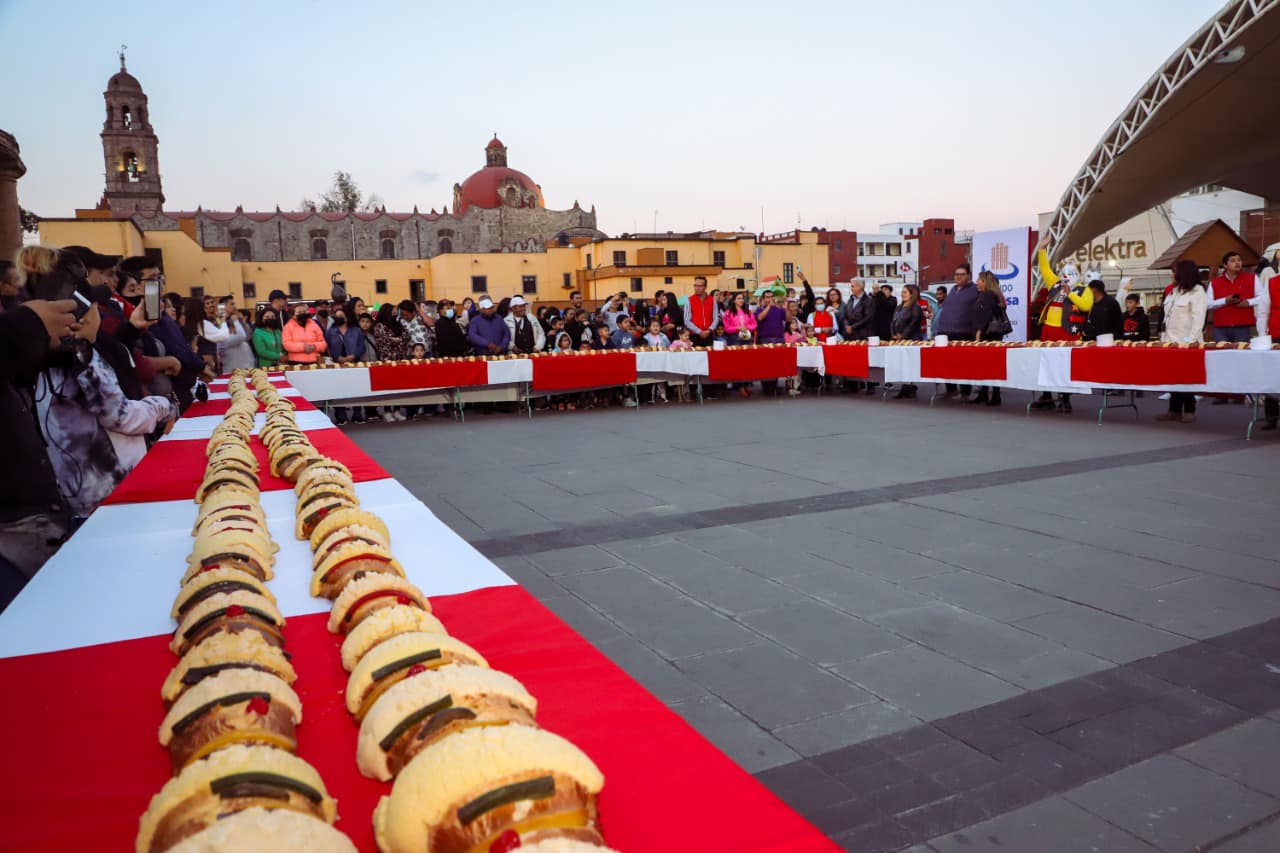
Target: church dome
122,80
496,184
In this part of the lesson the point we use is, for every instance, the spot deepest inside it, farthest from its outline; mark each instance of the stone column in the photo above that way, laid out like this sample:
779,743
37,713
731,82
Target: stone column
11,168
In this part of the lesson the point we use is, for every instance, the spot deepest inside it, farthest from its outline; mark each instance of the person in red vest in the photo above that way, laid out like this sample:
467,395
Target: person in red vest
1232,297
701,314
822,320
1269,313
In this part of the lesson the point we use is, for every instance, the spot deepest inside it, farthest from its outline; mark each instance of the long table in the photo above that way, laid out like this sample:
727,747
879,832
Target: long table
84,650
1061,370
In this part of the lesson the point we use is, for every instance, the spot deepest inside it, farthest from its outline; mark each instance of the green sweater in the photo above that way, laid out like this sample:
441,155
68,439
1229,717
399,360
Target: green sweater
266,343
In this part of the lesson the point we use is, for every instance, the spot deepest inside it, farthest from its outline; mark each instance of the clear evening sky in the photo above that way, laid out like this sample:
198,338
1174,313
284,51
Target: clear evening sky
844,114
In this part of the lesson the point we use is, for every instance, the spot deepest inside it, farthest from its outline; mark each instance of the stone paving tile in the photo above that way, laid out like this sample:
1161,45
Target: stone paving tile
649,668
1101,634
822,634
1261,839
1173,804
1246,753
583,619
925,683
986,596
1048,668
741,739
795,690
1053,825
853,591
973,639
530,577
568,561
843,728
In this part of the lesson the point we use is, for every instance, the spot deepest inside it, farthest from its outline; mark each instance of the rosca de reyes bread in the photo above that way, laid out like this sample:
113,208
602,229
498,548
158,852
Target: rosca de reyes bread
228,611
230,781
234,706
400,657
416,712
382,624
260,830
223,651
368,594
465,791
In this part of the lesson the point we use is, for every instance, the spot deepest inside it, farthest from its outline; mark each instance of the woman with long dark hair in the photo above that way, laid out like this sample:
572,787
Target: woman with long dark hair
1184,310
393,344
991,318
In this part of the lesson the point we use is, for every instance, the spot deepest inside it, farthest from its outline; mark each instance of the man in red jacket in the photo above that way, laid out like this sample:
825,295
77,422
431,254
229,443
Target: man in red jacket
1232,297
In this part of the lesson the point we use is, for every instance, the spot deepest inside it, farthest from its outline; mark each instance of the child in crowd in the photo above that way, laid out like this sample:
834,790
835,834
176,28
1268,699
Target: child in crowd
563,343
794,334
603,339
563,346
655,338
682,343
419,351
810,337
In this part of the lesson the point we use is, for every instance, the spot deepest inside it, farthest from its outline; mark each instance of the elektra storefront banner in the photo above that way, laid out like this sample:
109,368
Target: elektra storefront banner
1007,254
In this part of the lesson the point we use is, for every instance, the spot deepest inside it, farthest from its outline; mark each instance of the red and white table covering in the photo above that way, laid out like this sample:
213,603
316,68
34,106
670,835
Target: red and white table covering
1152,369
84,650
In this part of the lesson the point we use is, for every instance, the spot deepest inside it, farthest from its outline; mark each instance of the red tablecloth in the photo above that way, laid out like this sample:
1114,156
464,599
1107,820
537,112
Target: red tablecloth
450,374
83,760
220,407
172,470
846,360
963,363
587,370
1137,366
743,364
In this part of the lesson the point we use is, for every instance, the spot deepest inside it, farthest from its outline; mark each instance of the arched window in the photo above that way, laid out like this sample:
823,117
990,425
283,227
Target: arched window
388,248
241,250
126,117
446,245
319,249
513,197
132,167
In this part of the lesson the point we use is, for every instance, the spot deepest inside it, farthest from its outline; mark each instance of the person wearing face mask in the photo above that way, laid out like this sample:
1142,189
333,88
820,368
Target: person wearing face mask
451,339
267,344
303,339
345,346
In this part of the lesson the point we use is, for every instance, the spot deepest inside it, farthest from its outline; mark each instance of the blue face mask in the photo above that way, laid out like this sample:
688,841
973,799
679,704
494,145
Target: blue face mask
449,312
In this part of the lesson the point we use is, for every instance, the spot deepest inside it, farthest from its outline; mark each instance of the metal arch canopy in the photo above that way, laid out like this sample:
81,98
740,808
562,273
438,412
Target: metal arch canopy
1198,120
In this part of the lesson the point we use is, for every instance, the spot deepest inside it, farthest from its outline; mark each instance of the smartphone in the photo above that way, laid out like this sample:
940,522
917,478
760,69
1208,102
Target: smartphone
222,312
83,304
151,299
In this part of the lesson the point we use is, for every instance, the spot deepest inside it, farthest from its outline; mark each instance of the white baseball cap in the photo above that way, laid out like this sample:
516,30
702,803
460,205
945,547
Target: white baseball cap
517,300
485,303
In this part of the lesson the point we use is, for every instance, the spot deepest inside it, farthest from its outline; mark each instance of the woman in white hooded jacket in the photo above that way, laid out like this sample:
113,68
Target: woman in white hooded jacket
95,434
1184,310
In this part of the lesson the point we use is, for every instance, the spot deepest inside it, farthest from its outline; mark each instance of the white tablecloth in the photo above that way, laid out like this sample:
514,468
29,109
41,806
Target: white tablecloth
1228,372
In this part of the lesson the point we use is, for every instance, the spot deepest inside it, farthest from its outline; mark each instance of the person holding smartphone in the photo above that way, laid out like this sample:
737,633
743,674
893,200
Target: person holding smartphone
236,352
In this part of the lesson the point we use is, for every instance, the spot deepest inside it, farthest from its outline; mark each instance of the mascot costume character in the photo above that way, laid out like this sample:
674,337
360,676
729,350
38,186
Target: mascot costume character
1064,314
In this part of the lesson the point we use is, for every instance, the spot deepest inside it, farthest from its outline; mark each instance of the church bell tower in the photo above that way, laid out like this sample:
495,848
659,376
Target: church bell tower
129,147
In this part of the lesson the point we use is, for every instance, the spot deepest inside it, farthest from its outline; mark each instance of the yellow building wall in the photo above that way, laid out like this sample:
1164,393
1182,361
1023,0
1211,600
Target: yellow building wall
451,274
361,277
106,237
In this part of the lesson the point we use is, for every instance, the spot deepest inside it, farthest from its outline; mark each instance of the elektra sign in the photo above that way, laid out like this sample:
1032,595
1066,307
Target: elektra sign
1119,250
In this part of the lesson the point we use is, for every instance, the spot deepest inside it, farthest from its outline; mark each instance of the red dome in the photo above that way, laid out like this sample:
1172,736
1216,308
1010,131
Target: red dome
481,189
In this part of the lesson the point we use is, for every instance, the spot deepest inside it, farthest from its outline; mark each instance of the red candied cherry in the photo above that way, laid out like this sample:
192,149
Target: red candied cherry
508,840
235,610
259,705
416,669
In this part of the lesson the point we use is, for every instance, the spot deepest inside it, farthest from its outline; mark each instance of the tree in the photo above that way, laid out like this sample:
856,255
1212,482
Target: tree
343,196
30,222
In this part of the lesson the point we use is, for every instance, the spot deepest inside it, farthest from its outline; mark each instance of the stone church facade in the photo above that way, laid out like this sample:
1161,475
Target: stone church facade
496,209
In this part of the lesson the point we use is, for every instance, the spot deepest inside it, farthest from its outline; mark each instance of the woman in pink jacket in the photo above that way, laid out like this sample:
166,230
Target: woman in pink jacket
739,322
302,338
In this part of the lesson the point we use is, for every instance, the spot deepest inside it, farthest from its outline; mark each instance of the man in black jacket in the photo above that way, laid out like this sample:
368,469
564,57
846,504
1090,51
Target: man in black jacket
33,516
1106,317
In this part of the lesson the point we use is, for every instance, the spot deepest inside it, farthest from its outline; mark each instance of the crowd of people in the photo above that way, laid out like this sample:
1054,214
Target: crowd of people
91,379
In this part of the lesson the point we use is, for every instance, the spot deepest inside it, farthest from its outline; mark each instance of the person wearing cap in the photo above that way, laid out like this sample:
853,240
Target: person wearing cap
279,302
527,334
302,338
100,269
487,332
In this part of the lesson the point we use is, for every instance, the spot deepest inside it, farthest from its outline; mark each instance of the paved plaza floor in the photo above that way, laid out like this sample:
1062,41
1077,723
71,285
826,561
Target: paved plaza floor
946,629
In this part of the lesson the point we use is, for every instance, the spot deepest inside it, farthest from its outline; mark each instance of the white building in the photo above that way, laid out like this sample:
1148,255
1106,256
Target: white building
891,255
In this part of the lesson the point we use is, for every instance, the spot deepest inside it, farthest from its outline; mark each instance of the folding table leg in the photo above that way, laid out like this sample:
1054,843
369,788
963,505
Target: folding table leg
1108,393
700,400
1248,433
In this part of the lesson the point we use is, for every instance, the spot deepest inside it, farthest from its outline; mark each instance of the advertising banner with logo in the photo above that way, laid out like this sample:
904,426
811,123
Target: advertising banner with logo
1007,254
